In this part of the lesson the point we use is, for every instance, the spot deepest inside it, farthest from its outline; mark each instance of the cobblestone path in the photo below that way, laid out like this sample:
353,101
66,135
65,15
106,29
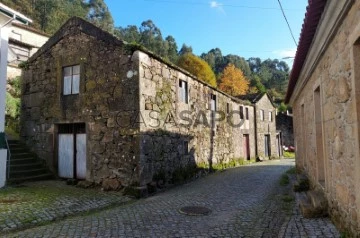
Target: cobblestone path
245,202
40,202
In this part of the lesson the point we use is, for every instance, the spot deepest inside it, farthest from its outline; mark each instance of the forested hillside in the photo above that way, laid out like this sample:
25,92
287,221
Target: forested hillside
231,73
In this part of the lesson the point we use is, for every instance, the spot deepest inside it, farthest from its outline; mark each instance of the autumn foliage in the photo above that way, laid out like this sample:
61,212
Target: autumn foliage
197,67
233,81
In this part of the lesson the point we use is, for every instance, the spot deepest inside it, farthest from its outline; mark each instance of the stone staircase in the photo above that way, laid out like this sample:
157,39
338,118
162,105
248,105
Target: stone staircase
312,204
25,166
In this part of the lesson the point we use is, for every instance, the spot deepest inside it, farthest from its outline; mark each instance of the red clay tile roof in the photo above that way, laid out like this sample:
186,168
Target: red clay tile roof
313,14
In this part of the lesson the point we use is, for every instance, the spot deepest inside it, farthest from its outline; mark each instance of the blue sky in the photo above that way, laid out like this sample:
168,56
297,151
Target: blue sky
249,28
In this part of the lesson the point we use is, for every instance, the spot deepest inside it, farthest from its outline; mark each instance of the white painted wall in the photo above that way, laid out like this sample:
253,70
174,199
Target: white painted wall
4,39
3,156
4,36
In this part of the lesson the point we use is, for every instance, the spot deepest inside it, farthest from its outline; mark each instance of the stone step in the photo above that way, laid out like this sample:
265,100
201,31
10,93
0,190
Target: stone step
25,160
21,155
311,204
305,205
18,150
27,172
26,166
318,200
46,176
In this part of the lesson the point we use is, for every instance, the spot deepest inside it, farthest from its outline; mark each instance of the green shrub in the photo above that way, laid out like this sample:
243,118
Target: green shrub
302,186
287,198
291,171
289,155
284,180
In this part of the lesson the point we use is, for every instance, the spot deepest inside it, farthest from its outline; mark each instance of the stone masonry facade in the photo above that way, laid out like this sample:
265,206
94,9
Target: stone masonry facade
326,114
266,127
137,128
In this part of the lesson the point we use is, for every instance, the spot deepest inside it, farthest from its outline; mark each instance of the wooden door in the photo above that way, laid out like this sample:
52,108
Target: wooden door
72,151
246,146
66,156
267,146
81,156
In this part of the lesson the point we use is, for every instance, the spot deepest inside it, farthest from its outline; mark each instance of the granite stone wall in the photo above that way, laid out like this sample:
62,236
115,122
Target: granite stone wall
337,77
106,89
178,134
137,128
266,127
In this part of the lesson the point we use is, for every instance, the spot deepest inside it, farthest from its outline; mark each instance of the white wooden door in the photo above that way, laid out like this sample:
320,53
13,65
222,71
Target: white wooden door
66,156
80,156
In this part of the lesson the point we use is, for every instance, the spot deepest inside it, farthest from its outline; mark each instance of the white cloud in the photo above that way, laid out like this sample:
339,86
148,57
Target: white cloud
285,53
217,5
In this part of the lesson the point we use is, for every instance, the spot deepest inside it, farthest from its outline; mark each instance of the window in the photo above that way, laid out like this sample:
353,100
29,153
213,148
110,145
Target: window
246,113
71,81
227,107
213,102
183,91
186,147
270,116
261,115
241,112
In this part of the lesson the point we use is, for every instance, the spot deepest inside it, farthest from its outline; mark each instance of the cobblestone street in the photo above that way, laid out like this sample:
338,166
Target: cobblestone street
245,202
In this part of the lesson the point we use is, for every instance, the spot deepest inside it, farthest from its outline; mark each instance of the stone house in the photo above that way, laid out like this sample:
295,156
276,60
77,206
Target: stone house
268,139
118,112
324,92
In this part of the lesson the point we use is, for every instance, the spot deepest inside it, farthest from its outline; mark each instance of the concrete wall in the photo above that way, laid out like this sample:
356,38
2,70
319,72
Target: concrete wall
266,127
163,147
326,123
28,37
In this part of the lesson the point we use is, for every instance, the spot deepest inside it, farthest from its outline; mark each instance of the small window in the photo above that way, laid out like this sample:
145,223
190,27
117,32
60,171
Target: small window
241,112
261,115
270,116
186,147
246,113
71,80
227,107
213,102
183,91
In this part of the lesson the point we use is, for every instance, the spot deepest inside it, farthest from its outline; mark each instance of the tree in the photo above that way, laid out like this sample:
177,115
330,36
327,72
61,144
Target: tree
233,81
256,85
185,49
197,67
129,34
172,49
100,16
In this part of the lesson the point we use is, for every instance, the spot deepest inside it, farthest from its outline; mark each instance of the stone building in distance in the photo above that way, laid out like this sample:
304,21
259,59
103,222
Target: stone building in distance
120,113
268,140
324,90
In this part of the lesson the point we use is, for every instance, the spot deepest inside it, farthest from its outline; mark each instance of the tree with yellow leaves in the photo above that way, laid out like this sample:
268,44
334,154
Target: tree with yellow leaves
233,81
197,67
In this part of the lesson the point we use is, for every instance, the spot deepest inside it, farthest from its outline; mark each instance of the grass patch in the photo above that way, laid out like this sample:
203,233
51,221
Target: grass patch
284,180
289,155
291,171
287,198
232,163
302,186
